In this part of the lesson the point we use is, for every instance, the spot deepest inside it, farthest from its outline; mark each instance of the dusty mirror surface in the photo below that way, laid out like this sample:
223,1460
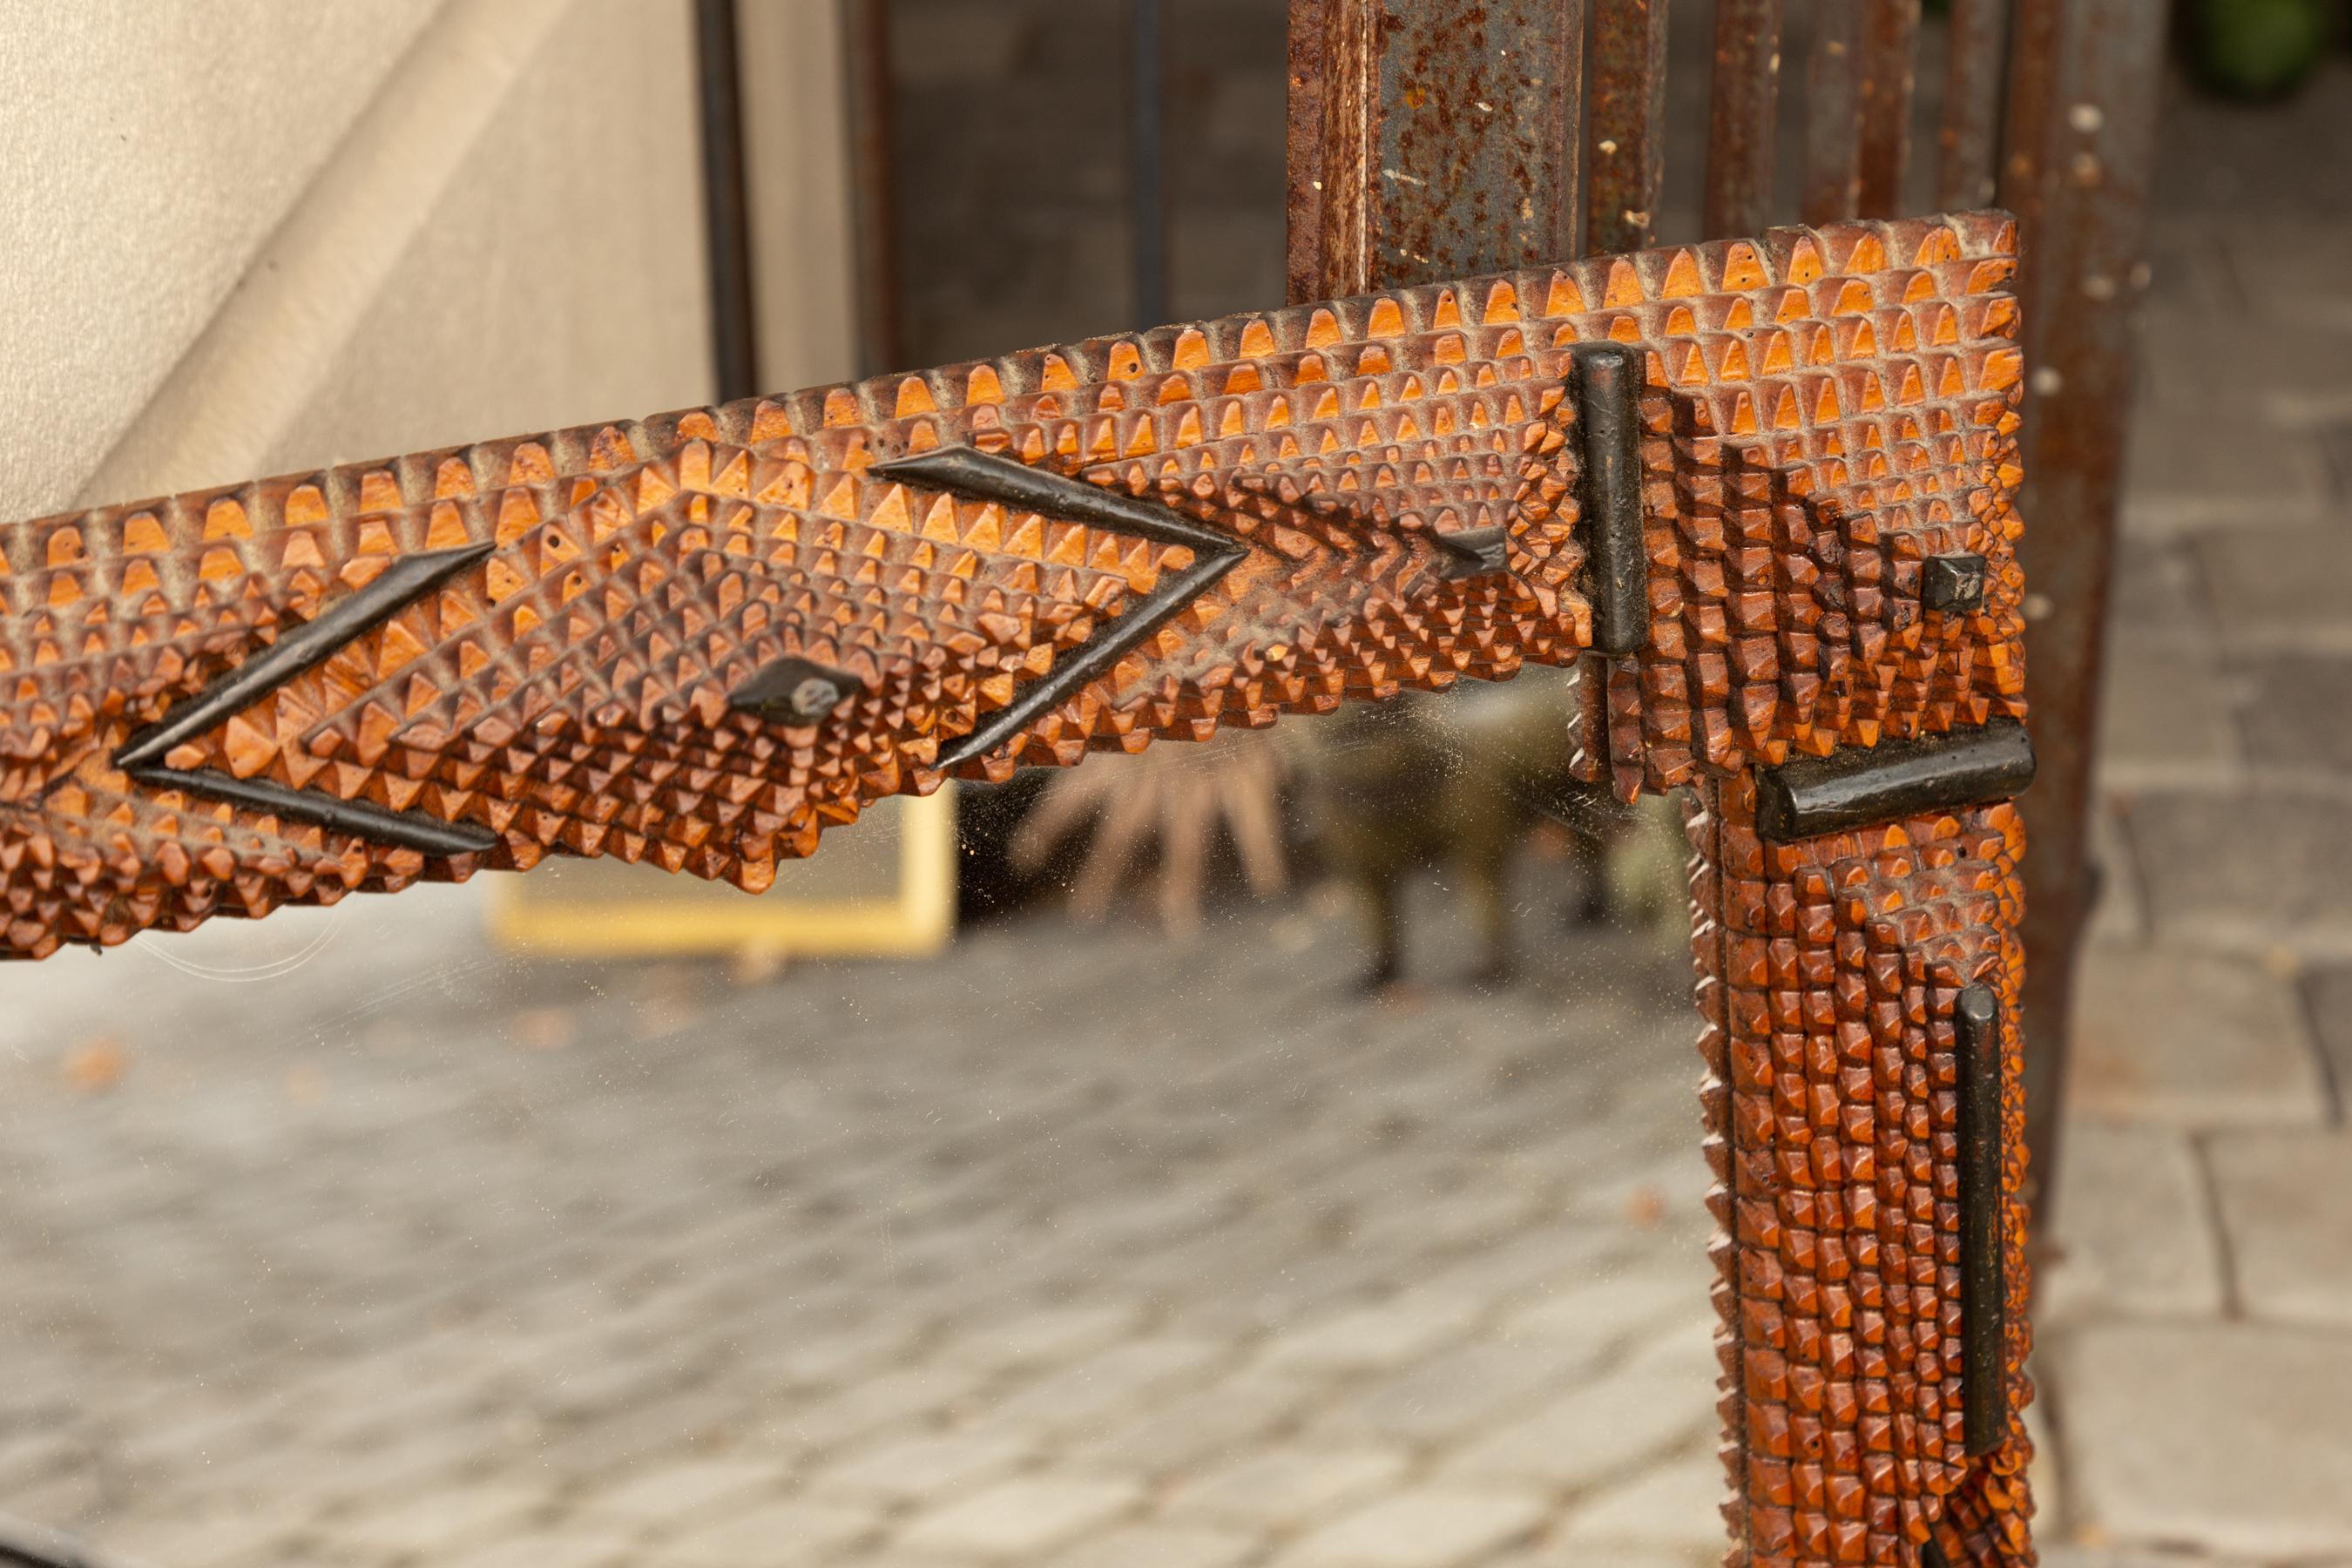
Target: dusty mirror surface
350,1231
1280,1150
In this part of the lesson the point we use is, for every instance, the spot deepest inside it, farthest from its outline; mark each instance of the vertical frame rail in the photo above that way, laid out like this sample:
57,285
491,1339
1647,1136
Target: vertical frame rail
1984,1285
1146,165
865,37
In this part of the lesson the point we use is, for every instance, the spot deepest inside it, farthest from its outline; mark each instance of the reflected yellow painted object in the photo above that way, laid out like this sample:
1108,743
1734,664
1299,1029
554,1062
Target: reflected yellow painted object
886,890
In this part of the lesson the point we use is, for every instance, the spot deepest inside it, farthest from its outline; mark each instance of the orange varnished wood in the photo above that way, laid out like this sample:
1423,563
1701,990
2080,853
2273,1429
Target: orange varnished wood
1826,990
1824,409
1824,406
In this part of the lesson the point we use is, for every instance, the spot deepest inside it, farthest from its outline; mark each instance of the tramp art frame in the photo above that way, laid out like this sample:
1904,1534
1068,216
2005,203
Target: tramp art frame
1761,492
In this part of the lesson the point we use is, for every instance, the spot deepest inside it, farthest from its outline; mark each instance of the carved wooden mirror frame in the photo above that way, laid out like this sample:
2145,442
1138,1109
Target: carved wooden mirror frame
1760,491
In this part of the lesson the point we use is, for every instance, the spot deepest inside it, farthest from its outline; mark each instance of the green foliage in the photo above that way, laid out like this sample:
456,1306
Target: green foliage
2256,49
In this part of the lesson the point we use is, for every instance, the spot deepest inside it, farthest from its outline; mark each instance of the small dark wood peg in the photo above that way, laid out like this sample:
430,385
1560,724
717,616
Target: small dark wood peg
1952,582
793,690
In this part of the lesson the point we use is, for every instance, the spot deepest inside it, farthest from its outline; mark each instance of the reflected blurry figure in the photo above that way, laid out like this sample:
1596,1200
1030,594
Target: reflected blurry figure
1455,781
1171,797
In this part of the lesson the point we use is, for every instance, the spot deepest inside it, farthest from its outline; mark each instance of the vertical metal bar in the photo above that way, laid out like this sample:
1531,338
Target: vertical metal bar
1890,49
1984,1275
2032,91
865,29
1609,423
1146,187
1969,128
1625,133
1744,99
1833,114
1429,142
726,200
1304,150
1560,125
1326,124
2079,150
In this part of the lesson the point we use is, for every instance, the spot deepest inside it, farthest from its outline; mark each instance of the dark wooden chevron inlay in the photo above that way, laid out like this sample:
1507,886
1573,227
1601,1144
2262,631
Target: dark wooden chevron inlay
400,829
966,471
354,614
1474,553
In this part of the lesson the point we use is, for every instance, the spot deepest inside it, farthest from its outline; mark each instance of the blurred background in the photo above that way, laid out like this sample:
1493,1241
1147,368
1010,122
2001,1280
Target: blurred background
1074,1172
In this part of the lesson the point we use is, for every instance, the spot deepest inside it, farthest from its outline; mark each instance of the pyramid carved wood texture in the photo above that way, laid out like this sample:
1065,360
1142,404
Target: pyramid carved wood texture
1823,411
1826,990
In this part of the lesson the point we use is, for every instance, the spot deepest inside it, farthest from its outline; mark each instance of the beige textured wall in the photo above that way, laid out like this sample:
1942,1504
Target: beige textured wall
253,235
474,254
151,147
560,276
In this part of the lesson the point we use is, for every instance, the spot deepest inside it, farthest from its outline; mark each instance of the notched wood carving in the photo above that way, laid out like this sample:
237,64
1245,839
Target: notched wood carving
1791,497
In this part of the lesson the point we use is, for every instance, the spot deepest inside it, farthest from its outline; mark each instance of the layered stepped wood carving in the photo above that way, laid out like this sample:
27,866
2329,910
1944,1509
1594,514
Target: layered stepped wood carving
1761,490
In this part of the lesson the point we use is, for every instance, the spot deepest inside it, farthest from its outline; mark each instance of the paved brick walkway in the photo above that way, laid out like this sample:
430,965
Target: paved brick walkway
2196,1336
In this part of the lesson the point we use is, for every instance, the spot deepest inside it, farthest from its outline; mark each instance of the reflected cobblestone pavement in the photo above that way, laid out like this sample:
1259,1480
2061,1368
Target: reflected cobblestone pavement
1072,1247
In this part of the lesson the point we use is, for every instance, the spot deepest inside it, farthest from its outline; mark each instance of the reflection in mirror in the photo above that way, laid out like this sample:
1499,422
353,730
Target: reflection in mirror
342,1238
1290,1159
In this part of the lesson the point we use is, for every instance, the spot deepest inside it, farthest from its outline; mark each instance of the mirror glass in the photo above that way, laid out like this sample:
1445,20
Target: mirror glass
351,1236
1278,1151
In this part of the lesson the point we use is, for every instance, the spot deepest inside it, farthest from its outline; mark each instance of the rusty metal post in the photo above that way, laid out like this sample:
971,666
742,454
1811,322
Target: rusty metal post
2084,77
1625,130
1429,142
1832,187
1743,111
1147,161
1859,77
866,41
1887,75
1968,140
726,196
